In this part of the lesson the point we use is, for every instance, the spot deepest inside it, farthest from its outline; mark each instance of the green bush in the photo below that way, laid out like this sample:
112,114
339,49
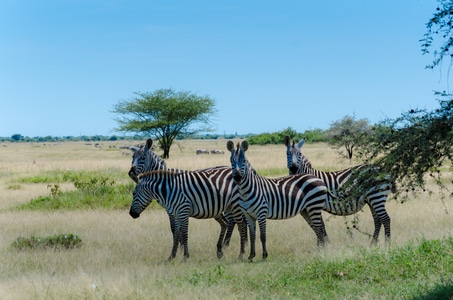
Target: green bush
90,193
311,136
60,176
60,241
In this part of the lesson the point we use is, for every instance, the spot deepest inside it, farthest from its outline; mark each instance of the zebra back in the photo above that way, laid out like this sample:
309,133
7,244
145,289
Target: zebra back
350,191
204,193
280,198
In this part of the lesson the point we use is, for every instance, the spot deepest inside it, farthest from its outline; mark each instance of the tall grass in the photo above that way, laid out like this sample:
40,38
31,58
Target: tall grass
122,258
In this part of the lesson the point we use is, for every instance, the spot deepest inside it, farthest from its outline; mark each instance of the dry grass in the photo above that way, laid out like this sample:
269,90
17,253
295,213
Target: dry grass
122,258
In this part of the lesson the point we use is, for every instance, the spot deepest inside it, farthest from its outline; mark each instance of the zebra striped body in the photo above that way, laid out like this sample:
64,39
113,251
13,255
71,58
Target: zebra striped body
145,160
199,194
279,198
335,181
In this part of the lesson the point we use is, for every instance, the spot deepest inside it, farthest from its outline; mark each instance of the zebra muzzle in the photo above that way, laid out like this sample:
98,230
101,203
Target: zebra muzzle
237,177
132,174
293,169
134,214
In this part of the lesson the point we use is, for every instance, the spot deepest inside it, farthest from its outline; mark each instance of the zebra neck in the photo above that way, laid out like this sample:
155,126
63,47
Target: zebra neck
307,169
162,183
247,186
159,163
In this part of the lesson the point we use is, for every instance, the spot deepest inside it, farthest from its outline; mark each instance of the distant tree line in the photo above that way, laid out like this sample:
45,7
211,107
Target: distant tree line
313,136
86,138
336,135
316,135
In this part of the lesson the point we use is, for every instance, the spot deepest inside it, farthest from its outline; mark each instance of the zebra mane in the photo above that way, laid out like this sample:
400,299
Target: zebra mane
152,155
305,163
157,172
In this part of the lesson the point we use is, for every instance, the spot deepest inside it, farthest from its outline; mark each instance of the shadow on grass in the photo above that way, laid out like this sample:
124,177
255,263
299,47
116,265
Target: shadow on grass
442,291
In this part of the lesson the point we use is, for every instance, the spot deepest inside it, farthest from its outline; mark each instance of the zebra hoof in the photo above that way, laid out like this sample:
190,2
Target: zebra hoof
219,255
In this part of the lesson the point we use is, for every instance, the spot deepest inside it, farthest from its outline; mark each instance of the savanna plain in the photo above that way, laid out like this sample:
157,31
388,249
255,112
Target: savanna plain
123,258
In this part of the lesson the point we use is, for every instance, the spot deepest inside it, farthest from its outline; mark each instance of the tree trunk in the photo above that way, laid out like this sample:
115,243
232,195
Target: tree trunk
166,152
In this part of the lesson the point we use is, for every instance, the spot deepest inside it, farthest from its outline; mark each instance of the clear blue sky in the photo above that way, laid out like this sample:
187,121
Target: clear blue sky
268,64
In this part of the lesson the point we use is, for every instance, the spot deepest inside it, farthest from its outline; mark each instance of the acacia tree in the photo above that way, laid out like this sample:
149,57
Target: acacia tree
439,30
165,114
419,142
347,133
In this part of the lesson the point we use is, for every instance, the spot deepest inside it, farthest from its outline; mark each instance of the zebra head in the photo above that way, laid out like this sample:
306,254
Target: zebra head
238,160
144,160
294,157
137,155
141,198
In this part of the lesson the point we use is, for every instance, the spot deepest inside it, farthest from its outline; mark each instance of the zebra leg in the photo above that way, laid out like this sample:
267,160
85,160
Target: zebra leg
184,236
386,223
231,223
320,232
172,226
377,227
252,227
380,219
239,218
317,224
262,224
223,227
242,226
322,227
324,232
176,230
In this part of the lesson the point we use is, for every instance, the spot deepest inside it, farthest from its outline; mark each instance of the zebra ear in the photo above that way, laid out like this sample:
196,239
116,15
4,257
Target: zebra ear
230,146
149,143
301,143
286,141
244,146
133,148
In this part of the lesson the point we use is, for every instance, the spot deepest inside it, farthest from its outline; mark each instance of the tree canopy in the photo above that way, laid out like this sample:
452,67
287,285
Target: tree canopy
165,114
420,142
416,143
347,133
439,32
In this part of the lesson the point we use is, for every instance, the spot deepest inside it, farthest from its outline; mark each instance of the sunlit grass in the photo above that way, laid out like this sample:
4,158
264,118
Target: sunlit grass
123,258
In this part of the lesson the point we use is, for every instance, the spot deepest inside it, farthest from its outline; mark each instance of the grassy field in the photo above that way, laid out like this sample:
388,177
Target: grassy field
122,258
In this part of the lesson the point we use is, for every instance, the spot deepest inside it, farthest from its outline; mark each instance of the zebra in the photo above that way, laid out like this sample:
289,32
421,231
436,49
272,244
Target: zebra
215,151
146,160
375,196
277,198
201,194
202,151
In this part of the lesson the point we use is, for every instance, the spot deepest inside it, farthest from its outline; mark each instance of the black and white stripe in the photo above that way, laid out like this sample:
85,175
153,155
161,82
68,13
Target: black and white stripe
342,183
279,198
145,160
201,194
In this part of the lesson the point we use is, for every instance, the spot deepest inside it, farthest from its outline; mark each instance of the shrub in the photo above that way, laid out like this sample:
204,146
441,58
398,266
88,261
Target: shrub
61,241
90,193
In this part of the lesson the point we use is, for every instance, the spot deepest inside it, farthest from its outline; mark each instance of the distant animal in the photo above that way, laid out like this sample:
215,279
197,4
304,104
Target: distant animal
202,151
276,198
214,151
375,197
144,160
